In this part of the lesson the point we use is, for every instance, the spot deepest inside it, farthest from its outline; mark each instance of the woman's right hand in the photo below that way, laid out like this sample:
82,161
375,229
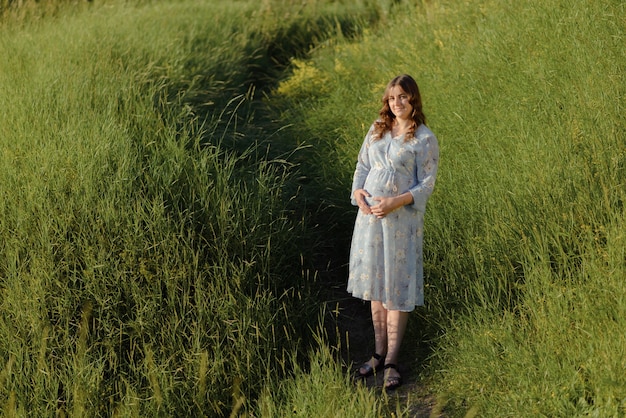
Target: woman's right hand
359,196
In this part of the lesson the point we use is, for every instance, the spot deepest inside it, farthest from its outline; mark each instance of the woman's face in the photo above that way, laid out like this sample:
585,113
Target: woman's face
399,103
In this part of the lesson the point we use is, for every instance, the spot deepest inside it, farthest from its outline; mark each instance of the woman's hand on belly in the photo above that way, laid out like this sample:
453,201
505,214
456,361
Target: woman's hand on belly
359,196
387,205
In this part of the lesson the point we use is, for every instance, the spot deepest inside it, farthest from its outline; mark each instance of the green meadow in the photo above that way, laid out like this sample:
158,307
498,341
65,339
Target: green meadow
175,216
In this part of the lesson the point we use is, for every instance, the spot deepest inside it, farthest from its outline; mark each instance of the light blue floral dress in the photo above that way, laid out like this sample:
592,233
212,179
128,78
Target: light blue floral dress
386,262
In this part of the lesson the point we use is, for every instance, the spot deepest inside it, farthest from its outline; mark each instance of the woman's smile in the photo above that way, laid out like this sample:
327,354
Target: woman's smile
399,103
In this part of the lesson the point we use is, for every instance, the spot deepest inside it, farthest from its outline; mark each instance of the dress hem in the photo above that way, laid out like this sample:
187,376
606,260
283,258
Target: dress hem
384,304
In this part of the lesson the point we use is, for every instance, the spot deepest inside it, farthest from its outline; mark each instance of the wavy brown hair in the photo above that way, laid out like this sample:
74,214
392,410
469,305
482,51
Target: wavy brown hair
385,123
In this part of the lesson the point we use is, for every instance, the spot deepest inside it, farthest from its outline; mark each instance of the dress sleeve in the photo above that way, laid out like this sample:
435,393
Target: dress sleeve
362,166
426,172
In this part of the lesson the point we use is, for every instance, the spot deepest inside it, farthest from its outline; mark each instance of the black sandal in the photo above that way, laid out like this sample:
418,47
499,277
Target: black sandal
392,382
369,370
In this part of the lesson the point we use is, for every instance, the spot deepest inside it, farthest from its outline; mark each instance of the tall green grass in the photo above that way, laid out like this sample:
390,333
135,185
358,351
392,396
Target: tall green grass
156,218
148,266
525,231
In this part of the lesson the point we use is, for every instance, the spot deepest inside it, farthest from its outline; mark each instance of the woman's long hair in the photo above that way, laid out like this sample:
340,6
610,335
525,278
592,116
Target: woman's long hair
385,123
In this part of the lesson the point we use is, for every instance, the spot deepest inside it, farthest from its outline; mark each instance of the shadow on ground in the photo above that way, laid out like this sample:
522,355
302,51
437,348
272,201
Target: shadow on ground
349,327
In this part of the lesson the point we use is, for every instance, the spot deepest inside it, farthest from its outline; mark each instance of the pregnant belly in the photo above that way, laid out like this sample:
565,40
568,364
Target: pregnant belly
377,192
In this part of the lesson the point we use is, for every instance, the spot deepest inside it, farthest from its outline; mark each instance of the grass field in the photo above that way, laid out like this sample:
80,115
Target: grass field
525,231
172,173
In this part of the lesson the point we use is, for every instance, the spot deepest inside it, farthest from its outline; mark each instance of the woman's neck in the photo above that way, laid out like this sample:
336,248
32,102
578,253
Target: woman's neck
401,126
403,123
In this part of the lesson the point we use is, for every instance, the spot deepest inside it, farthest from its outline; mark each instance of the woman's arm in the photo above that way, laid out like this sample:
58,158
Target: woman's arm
362,168
426,173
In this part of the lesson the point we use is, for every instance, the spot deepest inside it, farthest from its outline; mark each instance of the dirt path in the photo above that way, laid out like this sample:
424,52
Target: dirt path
351,320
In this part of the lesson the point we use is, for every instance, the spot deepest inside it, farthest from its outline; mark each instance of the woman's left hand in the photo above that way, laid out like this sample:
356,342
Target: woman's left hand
387,205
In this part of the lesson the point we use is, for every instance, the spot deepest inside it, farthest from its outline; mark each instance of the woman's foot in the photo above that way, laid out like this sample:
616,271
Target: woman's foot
393,379
372,365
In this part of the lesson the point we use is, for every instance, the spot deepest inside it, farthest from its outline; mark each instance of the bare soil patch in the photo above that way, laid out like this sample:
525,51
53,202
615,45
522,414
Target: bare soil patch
352,326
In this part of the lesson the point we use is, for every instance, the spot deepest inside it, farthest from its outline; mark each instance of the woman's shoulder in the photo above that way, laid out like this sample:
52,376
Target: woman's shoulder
423,135
423,131
374,130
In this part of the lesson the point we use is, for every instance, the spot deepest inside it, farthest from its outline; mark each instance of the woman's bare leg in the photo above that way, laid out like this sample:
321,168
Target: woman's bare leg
389,329
396,326
379,320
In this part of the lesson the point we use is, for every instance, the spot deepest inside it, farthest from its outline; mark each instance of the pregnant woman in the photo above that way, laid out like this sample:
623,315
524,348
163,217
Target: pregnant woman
394,177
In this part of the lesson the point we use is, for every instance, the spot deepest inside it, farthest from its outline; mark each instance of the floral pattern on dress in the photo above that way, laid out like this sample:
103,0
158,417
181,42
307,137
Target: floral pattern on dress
386,261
